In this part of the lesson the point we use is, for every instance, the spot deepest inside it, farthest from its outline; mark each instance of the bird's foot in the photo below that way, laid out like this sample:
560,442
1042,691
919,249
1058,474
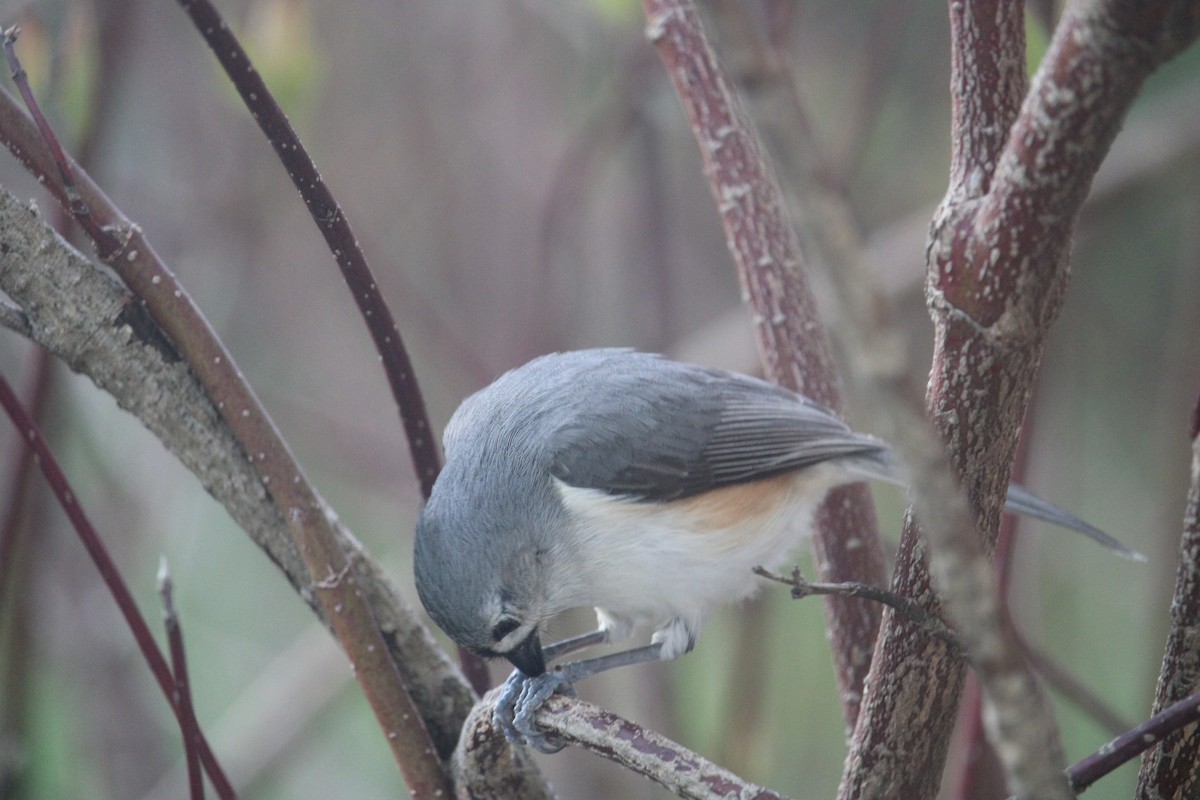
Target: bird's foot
519,701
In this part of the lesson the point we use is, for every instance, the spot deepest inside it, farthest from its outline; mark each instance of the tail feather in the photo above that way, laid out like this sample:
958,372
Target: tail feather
1022,501
882,466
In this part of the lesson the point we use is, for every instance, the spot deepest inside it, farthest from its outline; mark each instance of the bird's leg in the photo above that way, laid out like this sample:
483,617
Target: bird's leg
523,696
505,710
575,643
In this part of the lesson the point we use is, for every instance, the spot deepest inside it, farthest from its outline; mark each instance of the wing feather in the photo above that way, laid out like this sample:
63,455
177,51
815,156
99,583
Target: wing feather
685,432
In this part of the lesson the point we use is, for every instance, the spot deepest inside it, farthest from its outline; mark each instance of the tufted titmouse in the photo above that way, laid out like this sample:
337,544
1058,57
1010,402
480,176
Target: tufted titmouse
645,488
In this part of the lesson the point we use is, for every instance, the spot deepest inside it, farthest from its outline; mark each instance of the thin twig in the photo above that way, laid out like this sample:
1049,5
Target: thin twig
183,689
913,612
331,220
106,243
1137,740
109,574
334,225
20,516
977,761
19,468
1069,687
114,40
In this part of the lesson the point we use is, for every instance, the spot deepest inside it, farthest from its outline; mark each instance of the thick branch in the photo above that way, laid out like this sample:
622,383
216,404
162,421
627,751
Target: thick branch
179,327
578,722
791,339
1171,769
988,52
186,332
93,324
997,271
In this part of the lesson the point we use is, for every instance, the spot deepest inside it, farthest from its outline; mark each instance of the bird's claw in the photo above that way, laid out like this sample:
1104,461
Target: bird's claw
519,701
504,712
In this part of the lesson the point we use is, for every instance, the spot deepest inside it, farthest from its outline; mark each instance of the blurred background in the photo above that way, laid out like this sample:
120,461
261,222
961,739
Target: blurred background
523,180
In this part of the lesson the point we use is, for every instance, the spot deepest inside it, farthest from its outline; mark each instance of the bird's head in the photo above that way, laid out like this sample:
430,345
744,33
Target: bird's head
485,583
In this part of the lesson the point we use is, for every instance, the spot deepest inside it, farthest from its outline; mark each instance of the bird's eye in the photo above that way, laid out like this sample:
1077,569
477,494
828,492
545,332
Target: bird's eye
504,627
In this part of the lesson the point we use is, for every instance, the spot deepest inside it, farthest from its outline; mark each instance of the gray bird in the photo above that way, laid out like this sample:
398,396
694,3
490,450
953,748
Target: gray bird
639,486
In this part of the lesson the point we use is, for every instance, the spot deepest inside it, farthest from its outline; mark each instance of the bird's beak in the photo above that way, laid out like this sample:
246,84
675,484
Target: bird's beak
527,656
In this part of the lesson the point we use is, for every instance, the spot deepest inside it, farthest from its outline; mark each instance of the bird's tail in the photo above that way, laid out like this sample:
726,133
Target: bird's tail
882,465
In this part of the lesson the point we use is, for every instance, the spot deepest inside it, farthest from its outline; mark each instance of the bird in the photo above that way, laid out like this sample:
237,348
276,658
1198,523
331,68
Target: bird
645,488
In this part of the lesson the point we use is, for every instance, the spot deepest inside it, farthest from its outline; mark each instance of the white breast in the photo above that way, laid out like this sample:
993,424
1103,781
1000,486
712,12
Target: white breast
666,566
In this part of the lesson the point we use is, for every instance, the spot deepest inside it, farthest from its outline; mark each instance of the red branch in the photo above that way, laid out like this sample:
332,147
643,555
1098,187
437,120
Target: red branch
106,243
110,575
331,581
335,227
1150,733
791,339
183,688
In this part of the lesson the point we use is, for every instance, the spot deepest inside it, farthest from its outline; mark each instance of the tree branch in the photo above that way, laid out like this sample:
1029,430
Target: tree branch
997,271
183,688
1173,719
585,725
334,226
987,55
791,338
1171,768
914,613
84,317
344,245
115,583
179,326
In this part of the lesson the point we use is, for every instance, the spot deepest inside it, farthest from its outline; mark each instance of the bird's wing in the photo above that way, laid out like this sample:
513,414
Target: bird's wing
687,432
